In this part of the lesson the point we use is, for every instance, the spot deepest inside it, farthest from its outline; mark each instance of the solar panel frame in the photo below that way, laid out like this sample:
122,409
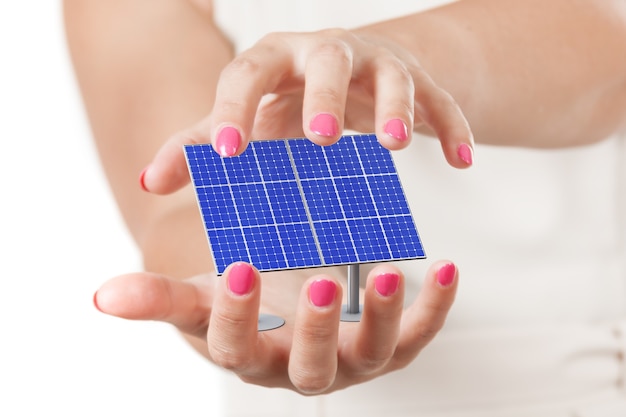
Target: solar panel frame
289,204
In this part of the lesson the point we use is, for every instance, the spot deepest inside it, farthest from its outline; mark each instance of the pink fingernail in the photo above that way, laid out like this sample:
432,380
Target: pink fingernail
240,278
465,153
142,179
387,284
324,124
322,292
446,274
228,141
397,129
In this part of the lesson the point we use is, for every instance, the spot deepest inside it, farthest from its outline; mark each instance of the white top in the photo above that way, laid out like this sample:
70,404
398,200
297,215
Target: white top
539,236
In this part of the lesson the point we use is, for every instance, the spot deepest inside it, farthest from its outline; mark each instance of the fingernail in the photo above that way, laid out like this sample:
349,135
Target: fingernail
95,301
142,179
324,124
465,153
397,129
445,275
228,141
387,284
322,292
240,279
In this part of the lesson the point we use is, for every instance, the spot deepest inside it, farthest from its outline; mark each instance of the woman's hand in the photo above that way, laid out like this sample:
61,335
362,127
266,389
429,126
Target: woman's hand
313,353
316,85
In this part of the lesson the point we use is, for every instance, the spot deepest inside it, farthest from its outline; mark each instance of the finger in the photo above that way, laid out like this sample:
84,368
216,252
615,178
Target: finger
427,315
242,84
313,358
440,112
168,171
394,92
377,335
145,296
233,340
328,72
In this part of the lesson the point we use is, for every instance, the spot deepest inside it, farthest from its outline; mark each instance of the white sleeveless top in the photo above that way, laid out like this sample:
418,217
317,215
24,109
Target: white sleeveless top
538,328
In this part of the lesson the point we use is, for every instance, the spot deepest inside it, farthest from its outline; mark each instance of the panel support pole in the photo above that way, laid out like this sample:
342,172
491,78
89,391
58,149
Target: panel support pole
352,310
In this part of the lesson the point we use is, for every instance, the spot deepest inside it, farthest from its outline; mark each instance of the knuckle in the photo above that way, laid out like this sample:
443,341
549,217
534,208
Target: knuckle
229,345
253,378
335,33
228,359
242,65
398,68
443,99
333,46
230,106
271,44
310,382
312,370
315,335
338,35
374,359
427,331
401,360
270,40
328,93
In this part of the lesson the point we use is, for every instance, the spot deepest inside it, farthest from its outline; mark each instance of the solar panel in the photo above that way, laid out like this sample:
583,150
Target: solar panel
287,204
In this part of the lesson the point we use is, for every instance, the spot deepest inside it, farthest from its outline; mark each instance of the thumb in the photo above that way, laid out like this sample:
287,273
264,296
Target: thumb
147,296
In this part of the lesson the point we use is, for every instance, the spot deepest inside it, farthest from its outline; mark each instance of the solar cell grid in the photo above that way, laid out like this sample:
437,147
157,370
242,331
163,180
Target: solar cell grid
289,203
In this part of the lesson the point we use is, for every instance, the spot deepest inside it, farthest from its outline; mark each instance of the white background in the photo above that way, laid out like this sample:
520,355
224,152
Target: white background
60,238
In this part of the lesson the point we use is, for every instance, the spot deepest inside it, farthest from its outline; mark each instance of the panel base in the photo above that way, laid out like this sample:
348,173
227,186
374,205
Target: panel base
269,322
350,317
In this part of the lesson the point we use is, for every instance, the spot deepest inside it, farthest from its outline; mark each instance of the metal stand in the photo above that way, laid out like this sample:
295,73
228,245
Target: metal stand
351,311
270,322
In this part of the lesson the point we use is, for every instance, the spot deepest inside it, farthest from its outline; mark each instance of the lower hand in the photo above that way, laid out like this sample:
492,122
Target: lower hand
313,353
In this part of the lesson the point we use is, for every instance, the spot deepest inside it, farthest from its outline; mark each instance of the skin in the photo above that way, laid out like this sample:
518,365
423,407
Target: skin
524,73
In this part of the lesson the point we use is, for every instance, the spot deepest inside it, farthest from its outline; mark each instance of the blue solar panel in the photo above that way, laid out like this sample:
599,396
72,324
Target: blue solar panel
289,203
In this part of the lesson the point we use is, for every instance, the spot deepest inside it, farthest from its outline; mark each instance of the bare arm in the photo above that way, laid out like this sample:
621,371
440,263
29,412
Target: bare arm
526,73
146,68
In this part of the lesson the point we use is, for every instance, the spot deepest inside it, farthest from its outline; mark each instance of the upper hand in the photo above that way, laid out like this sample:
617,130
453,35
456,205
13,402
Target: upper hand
315,85
313,353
